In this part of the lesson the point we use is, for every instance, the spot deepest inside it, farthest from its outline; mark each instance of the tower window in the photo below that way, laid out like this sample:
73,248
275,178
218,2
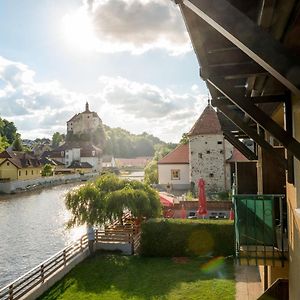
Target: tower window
219,142
221,151
211,175
208,152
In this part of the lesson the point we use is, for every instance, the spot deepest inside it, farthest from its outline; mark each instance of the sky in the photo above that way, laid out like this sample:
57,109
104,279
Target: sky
132,60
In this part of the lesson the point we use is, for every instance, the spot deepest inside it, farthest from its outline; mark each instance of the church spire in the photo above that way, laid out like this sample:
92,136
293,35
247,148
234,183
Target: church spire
87,106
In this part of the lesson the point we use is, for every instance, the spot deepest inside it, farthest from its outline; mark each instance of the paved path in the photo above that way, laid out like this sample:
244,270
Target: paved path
248,283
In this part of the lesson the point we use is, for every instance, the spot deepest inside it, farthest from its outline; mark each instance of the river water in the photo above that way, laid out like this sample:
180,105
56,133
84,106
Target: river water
32,228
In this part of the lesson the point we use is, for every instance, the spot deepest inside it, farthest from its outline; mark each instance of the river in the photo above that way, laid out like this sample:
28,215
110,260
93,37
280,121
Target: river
32,228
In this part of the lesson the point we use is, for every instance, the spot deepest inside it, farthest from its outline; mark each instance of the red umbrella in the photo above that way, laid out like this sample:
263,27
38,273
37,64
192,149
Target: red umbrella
202,211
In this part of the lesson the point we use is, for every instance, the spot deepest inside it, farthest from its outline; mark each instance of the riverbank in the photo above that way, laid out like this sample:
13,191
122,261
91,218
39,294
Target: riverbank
19,186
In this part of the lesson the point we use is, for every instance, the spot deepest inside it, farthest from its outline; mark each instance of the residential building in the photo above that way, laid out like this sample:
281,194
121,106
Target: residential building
108,161
174,169
18,166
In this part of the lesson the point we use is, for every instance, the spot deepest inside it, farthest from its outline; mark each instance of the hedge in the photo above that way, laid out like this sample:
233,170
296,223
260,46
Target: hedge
181,237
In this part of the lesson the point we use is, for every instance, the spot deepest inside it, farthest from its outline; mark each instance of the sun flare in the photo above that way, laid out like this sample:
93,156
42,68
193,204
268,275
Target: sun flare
79,32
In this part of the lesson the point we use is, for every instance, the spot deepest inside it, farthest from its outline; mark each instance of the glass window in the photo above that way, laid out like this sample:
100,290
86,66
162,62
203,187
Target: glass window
175,174
19,173
26,173
7,163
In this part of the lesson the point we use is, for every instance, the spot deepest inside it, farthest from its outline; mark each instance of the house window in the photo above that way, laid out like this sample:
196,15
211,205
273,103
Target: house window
7,164
208,152
219,142
31,172
211,175
93,153
62,153
175,174
199,155
26,173
19,173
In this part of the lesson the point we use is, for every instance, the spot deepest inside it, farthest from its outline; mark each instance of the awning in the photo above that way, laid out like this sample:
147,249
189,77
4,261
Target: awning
165,200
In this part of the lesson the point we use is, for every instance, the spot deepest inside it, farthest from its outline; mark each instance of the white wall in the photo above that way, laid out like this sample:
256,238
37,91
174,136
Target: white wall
164,173
94,161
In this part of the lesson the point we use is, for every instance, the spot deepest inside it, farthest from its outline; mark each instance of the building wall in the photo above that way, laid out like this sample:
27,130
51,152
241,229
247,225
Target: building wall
29,173
8,171
94,161
84,122
208,154
164,174
293,197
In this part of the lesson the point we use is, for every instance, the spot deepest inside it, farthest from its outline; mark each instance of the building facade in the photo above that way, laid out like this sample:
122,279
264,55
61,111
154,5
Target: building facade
208,153
84,122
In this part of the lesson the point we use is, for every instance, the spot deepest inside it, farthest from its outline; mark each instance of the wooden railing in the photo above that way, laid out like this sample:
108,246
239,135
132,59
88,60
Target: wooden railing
113,233
38,275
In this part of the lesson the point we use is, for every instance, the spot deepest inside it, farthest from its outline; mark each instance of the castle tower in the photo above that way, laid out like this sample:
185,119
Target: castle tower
208,152
87,107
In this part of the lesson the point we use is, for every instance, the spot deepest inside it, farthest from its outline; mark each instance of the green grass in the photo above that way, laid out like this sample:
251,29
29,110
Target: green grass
121,277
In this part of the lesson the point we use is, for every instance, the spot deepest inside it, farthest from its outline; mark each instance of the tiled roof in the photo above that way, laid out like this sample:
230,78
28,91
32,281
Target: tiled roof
80,165
208,123
20,159
180,155
237,156
86,149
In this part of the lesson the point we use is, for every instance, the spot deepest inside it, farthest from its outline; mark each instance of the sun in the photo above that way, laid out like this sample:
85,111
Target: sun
79,32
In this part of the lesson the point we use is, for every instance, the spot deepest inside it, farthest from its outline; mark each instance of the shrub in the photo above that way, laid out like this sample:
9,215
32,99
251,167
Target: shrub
161,237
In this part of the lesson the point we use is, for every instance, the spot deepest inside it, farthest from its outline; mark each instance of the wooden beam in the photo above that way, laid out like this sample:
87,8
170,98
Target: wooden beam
258,44
234,70
231,115
265,121
239,145
255,100
289,128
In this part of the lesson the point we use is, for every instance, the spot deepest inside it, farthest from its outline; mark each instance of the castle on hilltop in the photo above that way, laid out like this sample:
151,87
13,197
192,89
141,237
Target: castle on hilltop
84,122
82,150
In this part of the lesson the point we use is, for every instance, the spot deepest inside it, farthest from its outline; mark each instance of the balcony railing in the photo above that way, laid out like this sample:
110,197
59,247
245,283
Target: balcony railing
260,229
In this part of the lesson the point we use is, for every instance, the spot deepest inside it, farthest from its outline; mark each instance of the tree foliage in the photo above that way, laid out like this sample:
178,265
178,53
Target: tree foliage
121,143
17,144
107,198
47,170
57,138
184,139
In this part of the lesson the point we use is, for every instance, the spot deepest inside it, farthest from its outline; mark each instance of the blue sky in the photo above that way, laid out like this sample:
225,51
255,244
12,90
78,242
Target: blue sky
131,59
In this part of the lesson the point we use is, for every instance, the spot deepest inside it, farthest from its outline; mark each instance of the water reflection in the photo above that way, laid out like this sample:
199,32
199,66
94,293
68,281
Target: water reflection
32,229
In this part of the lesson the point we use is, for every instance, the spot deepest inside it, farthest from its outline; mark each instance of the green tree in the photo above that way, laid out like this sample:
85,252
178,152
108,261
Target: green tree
17,144
3,143
108,197
57,138
47,170
184,139
151,172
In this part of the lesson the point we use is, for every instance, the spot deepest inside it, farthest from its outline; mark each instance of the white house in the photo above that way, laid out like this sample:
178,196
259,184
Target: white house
173,169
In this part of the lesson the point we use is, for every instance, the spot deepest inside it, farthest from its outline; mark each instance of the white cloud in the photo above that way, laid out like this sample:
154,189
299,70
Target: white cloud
134,26
41,108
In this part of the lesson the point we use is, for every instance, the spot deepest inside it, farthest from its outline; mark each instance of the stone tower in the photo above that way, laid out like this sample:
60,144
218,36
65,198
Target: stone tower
209,152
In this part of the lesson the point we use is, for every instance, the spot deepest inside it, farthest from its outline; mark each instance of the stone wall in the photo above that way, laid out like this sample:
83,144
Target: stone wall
208,154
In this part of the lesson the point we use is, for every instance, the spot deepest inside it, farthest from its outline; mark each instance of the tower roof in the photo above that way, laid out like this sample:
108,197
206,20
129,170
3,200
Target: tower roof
208,123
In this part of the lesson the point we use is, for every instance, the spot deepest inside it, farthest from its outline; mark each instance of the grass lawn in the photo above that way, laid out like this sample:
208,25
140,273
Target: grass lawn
131,277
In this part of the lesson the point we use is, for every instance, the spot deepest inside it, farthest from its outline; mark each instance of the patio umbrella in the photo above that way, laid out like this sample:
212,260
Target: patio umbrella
202,211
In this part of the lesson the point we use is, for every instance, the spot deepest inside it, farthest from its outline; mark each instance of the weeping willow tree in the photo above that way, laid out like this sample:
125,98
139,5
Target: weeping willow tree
108,198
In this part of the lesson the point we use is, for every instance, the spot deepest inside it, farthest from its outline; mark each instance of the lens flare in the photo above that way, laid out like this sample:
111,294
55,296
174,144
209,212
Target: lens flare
213,265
